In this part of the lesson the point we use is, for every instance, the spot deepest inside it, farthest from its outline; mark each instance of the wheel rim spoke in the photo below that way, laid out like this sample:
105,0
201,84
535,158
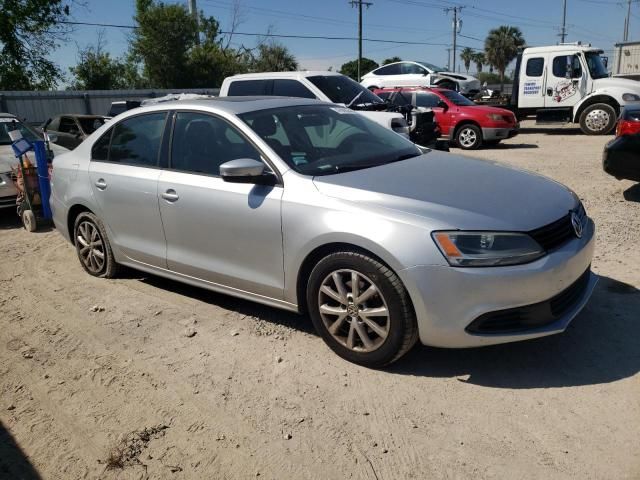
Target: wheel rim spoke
342,290
335,326
91,247
355,286
381,332
362,333
374,312
368,293
351,337
332,293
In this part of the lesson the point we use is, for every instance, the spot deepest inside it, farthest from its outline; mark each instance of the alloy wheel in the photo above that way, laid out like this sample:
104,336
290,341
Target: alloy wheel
467,138
91,247
354,310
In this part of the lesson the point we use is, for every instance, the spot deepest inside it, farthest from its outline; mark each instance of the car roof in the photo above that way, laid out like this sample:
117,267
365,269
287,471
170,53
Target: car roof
410,89
7,115
562,48
234,105
268,75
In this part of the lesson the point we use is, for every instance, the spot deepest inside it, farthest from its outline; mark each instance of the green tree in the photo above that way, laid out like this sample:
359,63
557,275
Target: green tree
479,60
165,34
28,31
391,60
274,57
466,55
501,47
97,70
350,69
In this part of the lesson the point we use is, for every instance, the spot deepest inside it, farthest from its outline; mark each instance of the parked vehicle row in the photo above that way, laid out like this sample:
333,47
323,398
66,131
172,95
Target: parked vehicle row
312,207
71,130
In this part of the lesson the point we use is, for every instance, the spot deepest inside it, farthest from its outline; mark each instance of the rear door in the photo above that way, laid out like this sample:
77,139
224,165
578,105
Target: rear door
532,82
124,171
225,233
389,75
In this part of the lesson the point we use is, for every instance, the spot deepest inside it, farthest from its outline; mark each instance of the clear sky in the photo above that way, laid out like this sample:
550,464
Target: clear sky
599,22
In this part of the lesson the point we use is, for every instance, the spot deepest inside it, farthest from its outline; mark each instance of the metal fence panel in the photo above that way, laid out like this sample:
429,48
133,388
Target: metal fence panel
37,107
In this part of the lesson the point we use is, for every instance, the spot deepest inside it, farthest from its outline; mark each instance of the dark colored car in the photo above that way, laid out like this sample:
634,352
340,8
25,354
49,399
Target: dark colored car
71,130
622,154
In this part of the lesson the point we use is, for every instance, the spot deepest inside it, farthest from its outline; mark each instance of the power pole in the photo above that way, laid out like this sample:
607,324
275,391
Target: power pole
193,11
563,32
626,21
359,4
456,26
448,59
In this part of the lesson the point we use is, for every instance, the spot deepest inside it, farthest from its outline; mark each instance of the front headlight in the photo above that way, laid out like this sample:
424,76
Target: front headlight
486,249
631,97
496,117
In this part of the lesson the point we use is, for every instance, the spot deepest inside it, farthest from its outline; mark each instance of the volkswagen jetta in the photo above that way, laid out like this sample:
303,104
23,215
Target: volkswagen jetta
310,207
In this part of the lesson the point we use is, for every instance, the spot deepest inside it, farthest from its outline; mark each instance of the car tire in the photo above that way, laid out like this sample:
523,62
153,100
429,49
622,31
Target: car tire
598,119
29,221
373,340
93,247
469,137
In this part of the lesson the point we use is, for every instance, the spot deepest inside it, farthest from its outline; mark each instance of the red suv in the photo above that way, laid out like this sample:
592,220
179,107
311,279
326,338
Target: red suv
461,121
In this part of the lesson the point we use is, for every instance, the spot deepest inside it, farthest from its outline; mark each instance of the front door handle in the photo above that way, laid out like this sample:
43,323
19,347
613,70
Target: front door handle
101,184
549,91
170,195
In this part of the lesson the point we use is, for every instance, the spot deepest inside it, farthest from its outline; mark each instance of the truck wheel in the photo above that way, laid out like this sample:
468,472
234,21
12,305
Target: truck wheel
469,137
598,119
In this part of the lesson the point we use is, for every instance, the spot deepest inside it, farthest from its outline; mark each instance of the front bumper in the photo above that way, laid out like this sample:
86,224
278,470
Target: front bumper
8,191
501,133
447,299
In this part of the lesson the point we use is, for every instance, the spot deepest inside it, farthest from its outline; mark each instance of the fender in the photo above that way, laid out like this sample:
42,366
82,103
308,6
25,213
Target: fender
610,95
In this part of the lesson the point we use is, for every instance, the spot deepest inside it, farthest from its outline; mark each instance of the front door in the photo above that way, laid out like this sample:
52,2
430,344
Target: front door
566,80
226,233
124,177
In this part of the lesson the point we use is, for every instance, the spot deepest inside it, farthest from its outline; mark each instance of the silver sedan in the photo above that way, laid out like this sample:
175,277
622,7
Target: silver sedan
313,208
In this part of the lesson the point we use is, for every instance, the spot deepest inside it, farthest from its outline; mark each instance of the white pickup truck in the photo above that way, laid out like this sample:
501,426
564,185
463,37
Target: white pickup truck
570,83
327,86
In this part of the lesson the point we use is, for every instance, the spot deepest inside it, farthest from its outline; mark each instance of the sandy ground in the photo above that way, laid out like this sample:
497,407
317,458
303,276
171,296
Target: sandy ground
255,393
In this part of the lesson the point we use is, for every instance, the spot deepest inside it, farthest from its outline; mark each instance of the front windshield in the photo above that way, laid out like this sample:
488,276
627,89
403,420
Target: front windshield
596,65
323,140
457,99
431,66
9,124
341,89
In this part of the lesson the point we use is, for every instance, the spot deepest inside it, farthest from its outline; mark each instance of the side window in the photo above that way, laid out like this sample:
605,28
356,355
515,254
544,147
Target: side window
100,149
54,125
136,140
424,99
201,143
247,88
567,66
68,125
403,98
291,88
535,67
393,69
411,69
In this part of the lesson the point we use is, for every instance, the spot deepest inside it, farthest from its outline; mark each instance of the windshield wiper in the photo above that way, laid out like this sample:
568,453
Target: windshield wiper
355,98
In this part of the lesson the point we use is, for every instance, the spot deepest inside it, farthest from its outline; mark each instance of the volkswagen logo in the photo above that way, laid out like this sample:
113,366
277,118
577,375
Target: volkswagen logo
577,224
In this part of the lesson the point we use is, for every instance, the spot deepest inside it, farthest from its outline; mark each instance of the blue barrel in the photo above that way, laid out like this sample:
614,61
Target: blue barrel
43,177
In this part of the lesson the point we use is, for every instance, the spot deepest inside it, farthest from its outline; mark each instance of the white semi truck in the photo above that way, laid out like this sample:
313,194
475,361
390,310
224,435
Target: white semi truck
570,83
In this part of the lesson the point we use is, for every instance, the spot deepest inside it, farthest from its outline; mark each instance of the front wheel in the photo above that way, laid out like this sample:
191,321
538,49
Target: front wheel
598,119
361,309
469,137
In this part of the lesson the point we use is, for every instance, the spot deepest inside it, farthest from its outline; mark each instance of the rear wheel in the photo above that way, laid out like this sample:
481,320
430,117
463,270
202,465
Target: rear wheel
93,247
361,309
469,137
598,119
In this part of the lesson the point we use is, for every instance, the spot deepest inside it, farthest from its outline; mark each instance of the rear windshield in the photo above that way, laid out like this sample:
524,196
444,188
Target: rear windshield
457,99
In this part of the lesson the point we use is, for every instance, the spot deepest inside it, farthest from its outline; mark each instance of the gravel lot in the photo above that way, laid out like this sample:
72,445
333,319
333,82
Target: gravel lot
97,373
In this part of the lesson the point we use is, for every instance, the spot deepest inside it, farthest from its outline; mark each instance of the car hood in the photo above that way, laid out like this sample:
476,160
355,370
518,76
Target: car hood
455,192
486,109
8,161
631,86
457,76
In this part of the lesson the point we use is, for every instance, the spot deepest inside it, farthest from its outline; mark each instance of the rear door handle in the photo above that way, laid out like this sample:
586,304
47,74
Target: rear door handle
101,184
170,195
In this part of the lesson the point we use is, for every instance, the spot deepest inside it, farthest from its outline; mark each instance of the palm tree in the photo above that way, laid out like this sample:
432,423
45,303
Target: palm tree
479,60
501,46
466,55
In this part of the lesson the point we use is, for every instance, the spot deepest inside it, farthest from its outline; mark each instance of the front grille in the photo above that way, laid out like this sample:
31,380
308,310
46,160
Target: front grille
529,317
7,201
557,233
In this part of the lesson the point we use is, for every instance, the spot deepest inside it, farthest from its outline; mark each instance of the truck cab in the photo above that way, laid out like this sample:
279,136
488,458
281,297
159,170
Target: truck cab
570,83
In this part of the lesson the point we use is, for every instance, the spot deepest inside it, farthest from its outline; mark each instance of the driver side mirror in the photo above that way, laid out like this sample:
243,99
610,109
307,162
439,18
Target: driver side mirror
443,105
246,170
